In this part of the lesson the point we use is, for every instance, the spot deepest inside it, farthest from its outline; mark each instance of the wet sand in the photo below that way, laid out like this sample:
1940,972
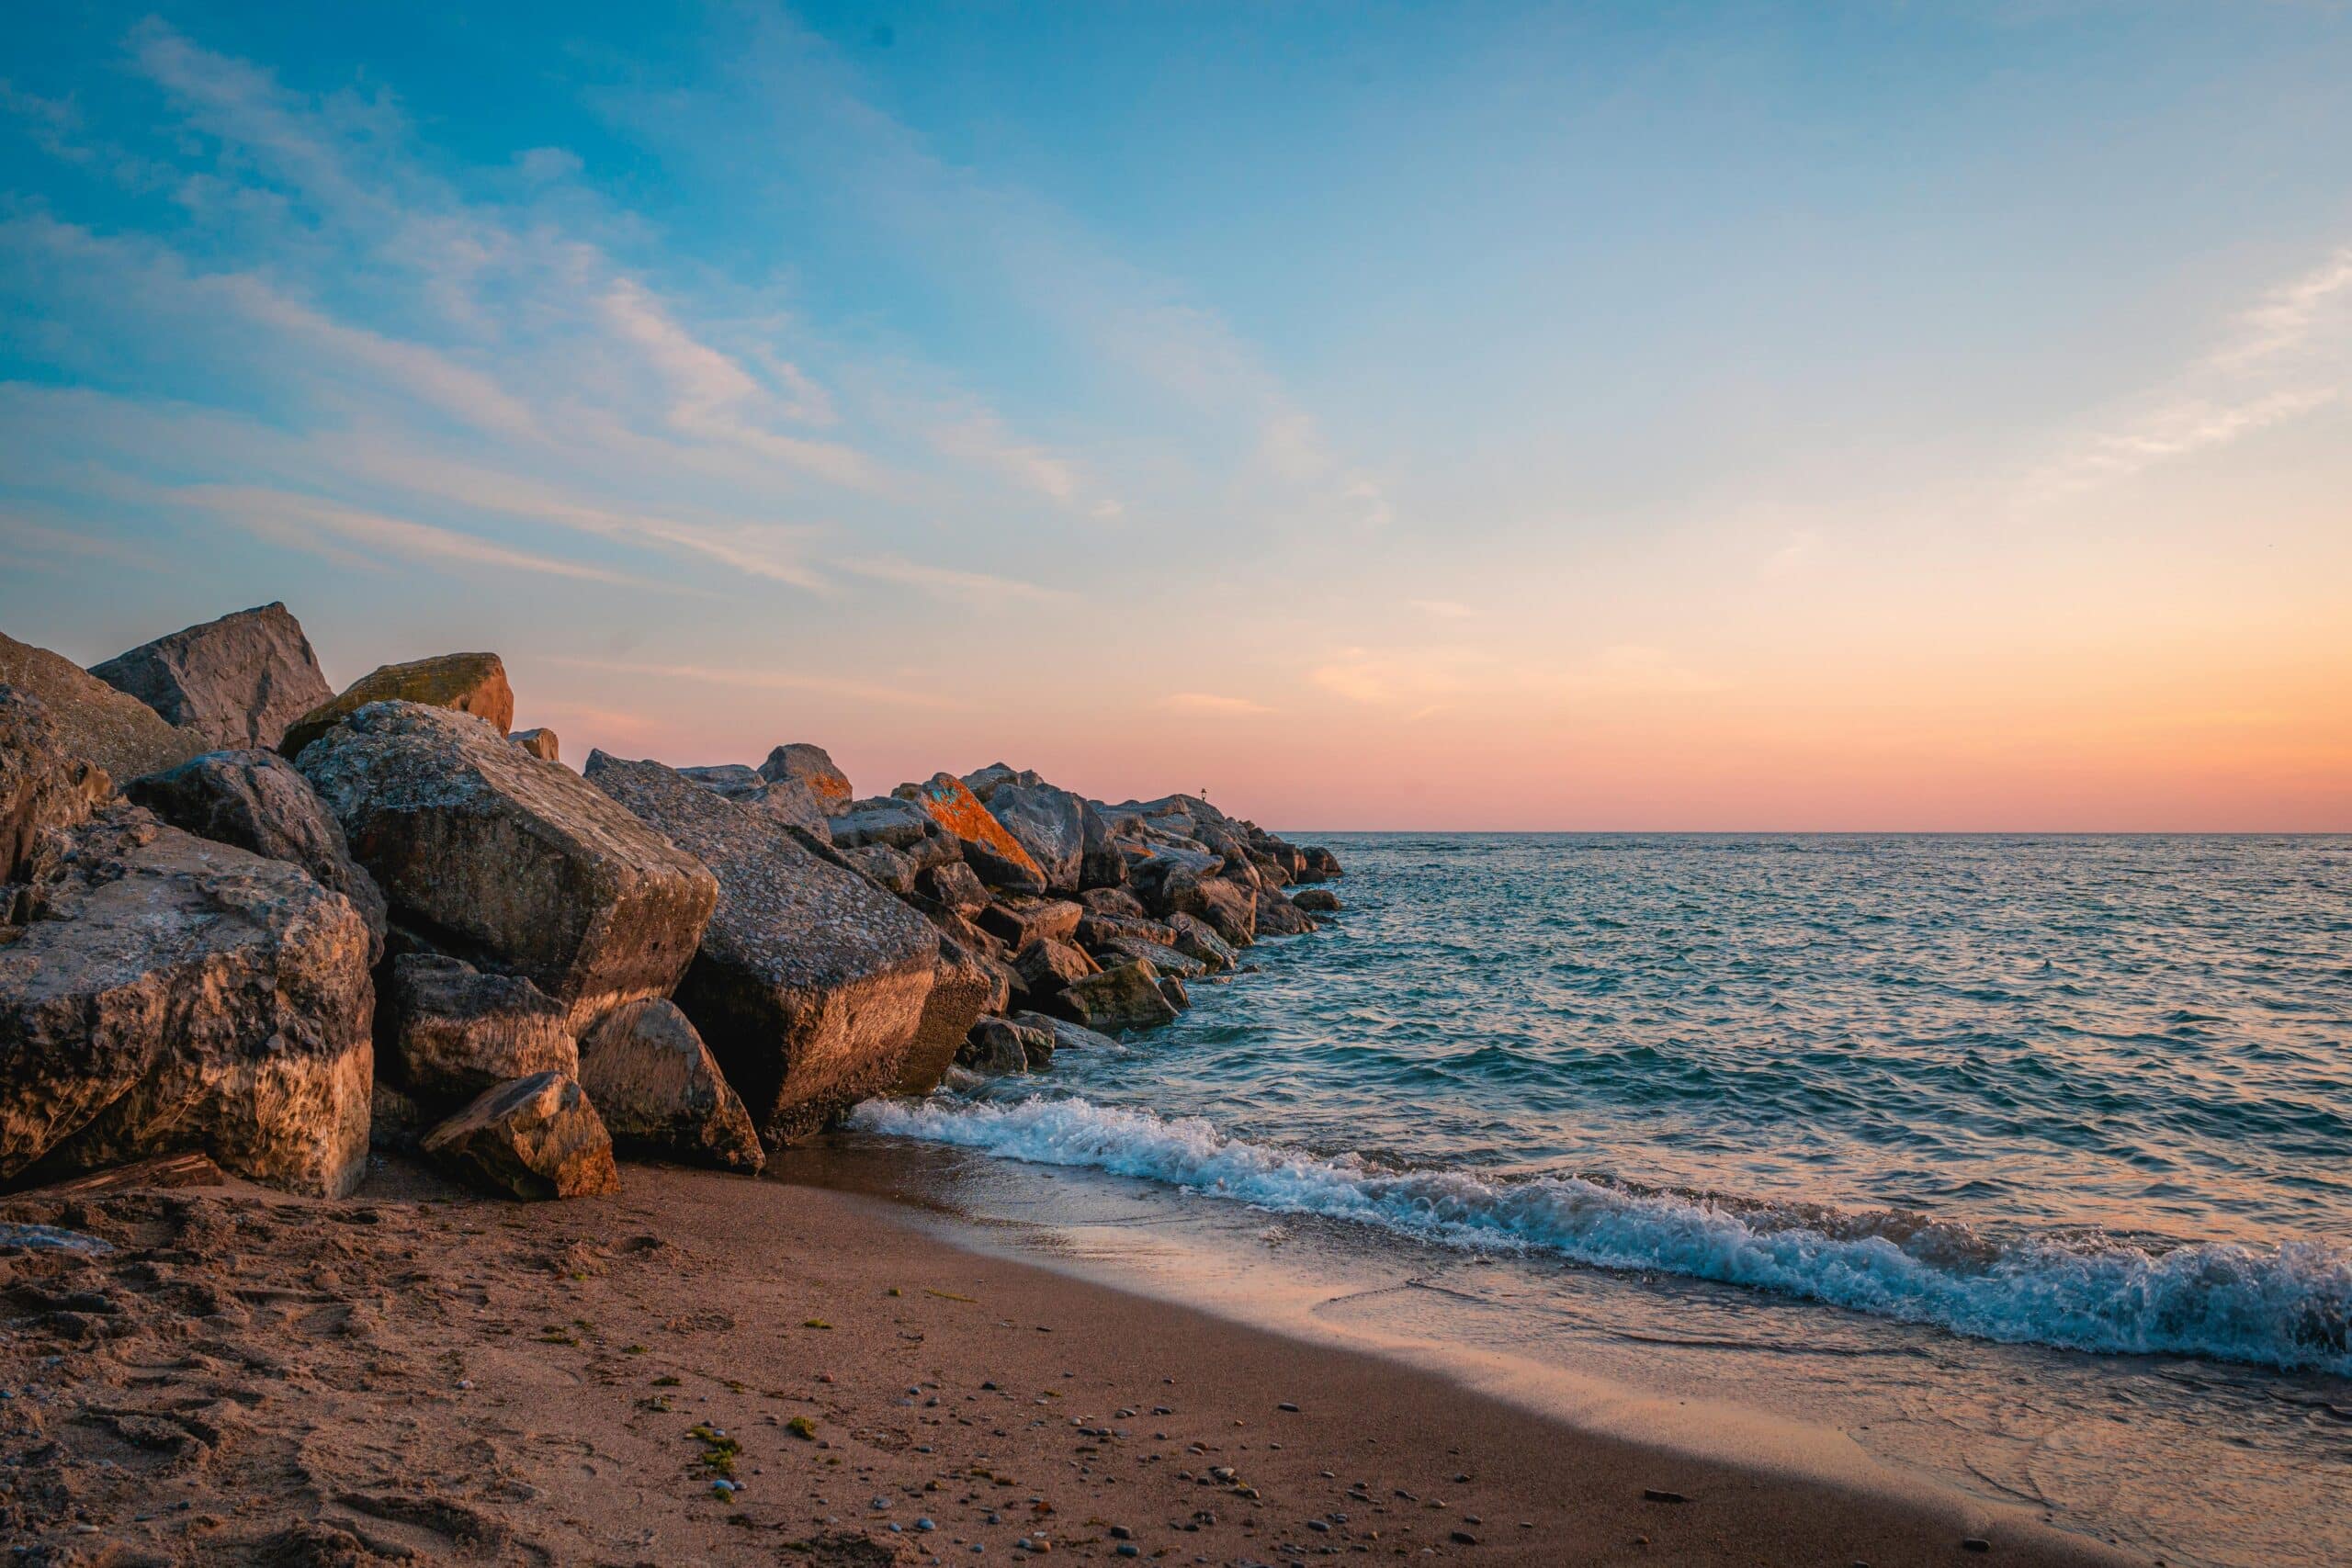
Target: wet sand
419,1374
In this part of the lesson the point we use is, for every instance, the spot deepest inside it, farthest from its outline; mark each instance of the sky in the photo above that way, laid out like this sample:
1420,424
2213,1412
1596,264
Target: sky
1819,416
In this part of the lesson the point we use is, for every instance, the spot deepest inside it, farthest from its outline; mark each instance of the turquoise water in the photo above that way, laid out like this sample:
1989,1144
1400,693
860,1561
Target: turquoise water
2091,1092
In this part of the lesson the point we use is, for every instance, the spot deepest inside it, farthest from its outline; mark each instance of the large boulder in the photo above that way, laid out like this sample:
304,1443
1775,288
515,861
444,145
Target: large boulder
94,723
257,801
1047,822
660,1090
537,1137
1230,909
1101,859
1316,900
962,989
1066,1036
1196,938
810,984
1127,996
1170,963
1047,968
996,854
237,682
462,682
1018,922
893,871
41,788
788,800
899,825
175,995
953,886
514,863
447,1031
997,1046
808,766
1274,914
1321,864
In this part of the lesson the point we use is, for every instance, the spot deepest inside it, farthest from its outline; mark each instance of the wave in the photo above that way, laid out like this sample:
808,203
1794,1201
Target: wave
2288,1307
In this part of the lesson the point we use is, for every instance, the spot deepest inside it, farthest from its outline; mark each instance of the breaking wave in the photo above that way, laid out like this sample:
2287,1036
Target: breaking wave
2288,1307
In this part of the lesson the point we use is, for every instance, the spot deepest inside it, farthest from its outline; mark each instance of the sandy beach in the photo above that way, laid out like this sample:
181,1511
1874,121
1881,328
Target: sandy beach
418,1373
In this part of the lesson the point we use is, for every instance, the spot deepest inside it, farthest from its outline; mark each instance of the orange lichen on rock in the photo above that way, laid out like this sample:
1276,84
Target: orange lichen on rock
958,810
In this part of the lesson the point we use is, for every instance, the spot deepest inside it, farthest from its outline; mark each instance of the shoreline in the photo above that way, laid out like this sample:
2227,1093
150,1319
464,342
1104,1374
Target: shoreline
417,1368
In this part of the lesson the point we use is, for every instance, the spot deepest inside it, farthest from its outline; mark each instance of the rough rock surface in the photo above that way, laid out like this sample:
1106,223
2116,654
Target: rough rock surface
999,1045
1171,963
463,683
996,854
809,985
517,862
94,722
955,886
536,1137
255,800
898,824
1068,1036
1230,909
1196,938
541,743
1174,989
1048,823
891,870
1316,900
1321,864
799,762
1277,915
1017,923
1047,968
447,1031
42,788
1101,860
1123,997
788,800
176,995
961,989
237,682
659,1091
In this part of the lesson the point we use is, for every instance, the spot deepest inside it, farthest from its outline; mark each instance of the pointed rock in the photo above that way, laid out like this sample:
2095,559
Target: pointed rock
94,723
237,682
463,683
660,1090
534,1138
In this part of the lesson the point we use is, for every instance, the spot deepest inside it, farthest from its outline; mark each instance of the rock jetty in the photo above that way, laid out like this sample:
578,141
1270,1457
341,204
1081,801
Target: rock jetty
247,918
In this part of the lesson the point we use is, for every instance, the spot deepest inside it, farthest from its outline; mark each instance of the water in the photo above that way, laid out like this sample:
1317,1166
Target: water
2092,1094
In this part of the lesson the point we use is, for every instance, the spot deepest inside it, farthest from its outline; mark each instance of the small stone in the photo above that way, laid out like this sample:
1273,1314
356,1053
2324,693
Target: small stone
1463,1537
1655,1495
1287,1405
1976,1544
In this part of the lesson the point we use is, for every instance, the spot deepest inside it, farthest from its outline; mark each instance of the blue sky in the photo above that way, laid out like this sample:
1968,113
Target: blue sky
1483,416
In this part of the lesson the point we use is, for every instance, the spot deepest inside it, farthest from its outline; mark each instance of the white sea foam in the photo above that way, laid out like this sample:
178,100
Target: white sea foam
2288,1307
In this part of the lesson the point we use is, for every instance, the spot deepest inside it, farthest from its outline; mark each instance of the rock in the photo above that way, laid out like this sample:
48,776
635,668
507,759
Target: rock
396,1122
94,723
42,789
891,870
1050,823
962,989
1046,966
789,801
901,824
1316,900
1017,923
1169,961
983,783
996,1046
237,682
1115,901
519,864
954,884
1277,915
987,848
1196,938
1174,989
255,800
1123,997
536,1137
799,762
660,1090
1230,909
1102,864
809,985
1321,864
447,1031
463,683
540,743
1068,1036
178,995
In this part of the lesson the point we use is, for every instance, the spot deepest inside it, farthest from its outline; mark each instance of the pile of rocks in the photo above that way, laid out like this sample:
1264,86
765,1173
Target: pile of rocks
309,921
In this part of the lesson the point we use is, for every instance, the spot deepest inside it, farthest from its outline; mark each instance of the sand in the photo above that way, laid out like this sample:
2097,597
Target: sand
421,1374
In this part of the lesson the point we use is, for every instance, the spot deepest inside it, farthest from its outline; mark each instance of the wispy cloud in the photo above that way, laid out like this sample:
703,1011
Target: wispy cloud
2289,356
308,523
759,680
948,582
